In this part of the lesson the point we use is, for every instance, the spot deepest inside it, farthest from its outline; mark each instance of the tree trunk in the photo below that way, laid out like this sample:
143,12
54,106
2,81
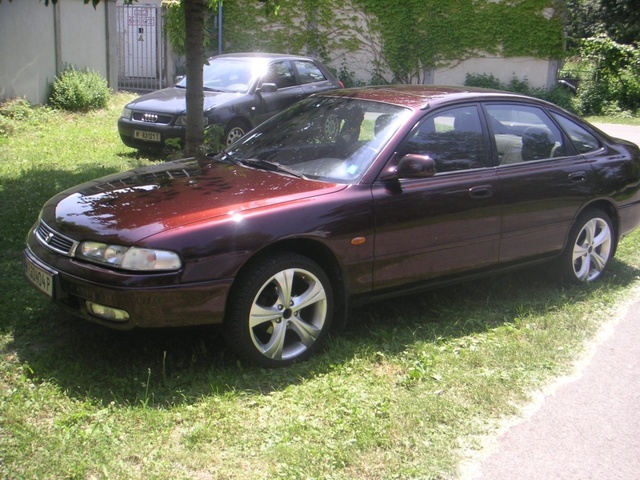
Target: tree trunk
194,24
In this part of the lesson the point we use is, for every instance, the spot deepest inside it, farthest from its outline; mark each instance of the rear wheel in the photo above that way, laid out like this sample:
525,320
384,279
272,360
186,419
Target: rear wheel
280,311
590,247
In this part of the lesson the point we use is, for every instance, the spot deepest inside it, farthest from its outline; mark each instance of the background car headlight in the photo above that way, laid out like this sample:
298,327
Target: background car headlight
126,113
182,121
129,258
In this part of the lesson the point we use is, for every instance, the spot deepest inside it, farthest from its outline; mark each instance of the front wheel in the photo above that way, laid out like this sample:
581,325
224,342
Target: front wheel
234,132
590,248
280,311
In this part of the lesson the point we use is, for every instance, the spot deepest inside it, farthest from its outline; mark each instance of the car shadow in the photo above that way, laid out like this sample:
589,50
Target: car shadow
167,367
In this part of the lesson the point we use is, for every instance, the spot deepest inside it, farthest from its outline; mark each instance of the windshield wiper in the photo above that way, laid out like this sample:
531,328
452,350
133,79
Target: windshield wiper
271,167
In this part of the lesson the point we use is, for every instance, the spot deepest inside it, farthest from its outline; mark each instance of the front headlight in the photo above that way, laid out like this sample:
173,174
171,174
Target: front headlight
126,113
129,258
182,121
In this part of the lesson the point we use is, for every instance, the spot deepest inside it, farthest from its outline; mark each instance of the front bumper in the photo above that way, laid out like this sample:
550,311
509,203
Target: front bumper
150,135
147,306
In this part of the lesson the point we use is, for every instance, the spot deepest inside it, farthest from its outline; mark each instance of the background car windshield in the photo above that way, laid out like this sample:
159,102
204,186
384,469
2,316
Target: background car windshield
226,75
327,138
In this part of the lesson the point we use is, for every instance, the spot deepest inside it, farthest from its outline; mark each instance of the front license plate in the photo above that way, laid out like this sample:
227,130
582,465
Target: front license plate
39,278
149,136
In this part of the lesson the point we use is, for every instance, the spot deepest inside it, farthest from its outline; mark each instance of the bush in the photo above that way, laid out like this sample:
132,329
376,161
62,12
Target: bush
609,74
76,90
557,94
17,112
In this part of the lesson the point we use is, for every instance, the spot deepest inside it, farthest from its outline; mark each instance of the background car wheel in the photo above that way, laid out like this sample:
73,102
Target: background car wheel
590,247
331,128
280,311
234,131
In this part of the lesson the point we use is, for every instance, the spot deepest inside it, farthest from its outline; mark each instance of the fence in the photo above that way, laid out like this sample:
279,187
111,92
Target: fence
142,53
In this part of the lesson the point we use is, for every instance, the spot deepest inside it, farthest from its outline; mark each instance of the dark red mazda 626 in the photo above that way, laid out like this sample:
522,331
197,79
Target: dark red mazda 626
347,196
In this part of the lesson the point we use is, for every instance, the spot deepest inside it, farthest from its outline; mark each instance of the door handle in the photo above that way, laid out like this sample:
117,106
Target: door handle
580,176
483,191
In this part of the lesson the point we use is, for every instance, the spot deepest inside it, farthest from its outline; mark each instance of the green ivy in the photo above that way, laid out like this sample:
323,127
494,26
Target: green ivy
423,34
415,36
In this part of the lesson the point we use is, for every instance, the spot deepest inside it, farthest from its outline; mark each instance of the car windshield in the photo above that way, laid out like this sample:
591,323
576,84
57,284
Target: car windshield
229,75
333,139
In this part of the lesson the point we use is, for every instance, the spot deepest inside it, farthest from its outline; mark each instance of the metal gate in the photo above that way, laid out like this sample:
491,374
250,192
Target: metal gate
142,59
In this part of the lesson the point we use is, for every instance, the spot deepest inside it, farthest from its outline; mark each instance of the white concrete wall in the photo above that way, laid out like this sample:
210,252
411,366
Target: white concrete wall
27,50
83,35
31,53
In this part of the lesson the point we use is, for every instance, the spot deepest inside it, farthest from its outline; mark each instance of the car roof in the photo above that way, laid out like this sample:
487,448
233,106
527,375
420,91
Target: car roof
262,55
424,96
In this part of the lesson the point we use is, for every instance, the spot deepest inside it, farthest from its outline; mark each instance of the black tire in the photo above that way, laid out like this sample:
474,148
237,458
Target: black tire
235,130
590,248
280,311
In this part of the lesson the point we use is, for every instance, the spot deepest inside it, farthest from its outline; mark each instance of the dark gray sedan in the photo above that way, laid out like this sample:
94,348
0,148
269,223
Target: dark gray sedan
240,91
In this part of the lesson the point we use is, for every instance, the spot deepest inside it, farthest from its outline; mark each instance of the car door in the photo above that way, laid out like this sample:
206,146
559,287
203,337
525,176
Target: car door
288,90
446,224
544,181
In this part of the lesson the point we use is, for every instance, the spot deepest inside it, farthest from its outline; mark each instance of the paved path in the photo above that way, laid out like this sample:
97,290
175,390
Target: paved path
628,132
586,426
583,427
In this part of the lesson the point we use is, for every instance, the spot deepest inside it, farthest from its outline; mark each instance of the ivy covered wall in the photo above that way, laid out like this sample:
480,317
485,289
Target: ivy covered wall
384,41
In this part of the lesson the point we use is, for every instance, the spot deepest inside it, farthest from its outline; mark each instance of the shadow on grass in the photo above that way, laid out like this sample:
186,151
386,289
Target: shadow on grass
170,367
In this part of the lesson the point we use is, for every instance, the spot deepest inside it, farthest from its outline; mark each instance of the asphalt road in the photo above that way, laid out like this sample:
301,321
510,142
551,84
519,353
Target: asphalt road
585,426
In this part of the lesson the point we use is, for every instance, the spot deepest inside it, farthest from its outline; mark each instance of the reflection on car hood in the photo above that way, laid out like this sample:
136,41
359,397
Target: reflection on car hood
173,100
128,207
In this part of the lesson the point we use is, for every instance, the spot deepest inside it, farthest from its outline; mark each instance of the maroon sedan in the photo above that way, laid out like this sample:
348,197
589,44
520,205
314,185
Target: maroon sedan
347,196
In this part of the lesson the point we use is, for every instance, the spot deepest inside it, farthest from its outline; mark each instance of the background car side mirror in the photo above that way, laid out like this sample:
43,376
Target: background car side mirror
268,88
178,78
411,166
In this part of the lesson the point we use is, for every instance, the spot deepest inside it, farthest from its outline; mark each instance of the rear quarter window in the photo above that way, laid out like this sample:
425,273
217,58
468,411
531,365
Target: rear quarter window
584,141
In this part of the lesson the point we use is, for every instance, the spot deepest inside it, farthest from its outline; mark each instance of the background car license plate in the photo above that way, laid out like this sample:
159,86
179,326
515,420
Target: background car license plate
40,278
150,136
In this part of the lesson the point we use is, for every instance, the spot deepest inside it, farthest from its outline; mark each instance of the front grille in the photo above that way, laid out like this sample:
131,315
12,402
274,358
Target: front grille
55,241
149,117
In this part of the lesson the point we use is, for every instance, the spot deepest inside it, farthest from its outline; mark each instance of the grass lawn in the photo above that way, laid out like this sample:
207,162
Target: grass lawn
407,391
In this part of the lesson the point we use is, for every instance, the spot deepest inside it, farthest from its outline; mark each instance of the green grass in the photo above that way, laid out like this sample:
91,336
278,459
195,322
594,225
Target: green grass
619,120
405,392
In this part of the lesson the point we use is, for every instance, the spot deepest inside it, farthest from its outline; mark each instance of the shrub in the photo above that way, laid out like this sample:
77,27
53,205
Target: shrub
482,80
557,94
609,74
76,90
18,111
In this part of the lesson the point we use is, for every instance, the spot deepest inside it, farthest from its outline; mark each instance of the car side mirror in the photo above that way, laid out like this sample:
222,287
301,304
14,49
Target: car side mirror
178,79
411,166
268,88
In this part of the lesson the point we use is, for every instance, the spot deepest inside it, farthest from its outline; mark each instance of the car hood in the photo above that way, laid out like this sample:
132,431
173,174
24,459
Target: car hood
129,207
173,100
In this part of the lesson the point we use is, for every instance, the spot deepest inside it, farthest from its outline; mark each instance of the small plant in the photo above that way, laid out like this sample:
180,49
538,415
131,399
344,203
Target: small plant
348,78
213,138
76,90
17,112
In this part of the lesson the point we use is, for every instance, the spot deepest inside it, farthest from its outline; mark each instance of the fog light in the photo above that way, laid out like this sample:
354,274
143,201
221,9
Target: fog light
107,313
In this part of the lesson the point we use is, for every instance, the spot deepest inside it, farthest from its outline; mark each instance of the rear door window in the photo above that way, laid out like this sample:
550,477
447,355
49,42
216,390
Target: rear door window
524,133
308,72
